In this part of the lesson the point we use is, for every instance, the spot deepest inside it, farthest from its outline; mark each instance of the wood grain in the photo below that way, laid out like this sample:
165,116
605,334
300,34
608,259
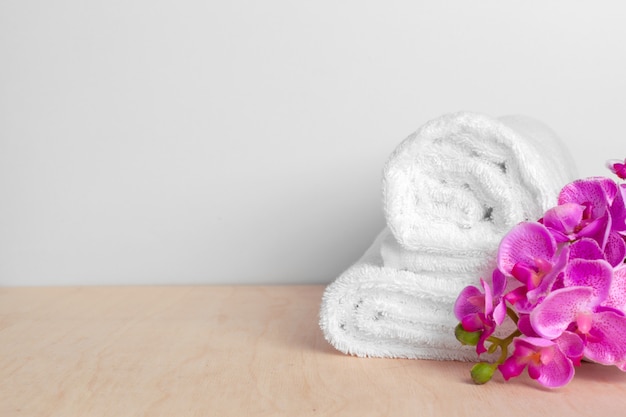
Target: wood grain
236,351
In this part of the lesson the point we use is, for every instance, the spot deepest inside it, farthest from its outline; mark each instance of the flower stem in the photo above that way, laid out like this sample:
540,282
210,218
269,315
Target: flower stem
503,344
512,315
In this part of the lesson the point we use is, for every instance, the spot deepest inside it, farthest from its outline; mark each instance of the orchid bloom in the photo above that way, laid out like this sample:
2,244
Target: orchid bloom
548,361
569,302
478,311
570,221
617,167
604,218
596,195
529,254
577,308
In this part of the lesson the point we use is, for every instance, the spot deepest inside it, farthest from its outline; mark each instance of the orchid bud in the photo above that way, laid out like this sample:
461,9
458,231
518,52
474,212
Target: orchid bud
465,337
482,372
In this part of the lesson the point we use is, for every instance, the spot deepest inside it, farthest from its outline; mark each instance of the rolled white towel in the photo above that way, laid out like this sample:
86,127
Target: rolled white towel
377,311
464,179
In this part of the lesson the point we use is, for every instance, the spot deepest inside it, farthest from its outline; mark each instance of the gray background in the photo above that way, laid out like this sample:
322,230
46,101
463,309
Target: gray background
177,142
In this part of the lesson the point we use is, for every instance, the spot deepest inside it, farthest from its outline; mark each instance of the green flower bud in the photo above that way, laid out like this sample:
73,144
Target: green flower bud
482,372
465,337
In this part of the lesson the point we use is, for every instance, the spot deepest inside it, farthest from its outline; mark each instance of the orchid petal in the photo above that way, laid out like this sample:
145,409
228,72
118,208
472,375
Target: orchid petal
609,186
598,229
488,297
618,210
545,286
525,243
617,167
595,274
615,249
524,274
556,373
598,191
546,362
617,292
524,326
516,294
560,308
473,322
571,345
499,313
585,248
511,367
467,302
614,165
498,282
607,344
564,218
480,347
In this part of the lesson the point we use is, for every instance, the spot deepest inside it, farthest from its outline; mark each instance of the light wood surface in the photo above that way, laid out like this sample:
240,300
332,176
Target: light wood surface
237,351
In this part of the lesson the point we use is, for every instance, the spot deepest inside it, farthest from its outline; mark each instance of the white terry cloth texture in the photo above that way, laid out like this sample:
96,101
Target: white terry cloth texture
451,199
463,180
452,264
378,311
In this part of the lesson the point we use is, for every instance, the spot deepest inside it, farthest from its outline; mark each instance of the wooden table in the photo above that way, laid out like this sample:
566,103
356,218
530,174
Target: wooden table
237,351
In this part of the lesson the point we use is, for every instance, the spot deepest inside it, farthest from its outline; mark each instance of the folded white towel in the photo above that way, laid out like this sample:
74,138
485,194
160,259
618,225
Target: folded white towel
373,310
451,191
464,179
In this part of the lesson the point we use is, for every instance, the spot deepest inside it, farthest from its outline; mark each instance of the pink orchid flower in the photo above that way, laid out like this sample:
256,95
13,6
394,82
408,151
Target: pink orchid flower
577,308
596,194
570,221
529,254
604,218
569,302
478,311
548,361
617,167
586,306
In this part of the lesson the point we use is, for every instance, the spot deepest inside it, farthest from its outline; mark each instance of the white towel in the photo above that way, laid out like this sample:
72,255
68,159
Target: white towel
451,191
377,311
444,263
464,179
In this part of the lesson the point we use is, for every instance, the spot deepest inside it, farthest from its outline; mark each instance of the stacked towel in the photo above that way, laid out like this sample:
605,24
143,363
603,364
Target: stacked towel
451,191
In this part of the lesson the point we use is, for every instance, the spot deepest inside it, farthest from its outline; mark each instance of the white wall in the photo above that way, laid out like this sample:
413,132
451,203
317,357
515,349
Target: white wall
235,141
